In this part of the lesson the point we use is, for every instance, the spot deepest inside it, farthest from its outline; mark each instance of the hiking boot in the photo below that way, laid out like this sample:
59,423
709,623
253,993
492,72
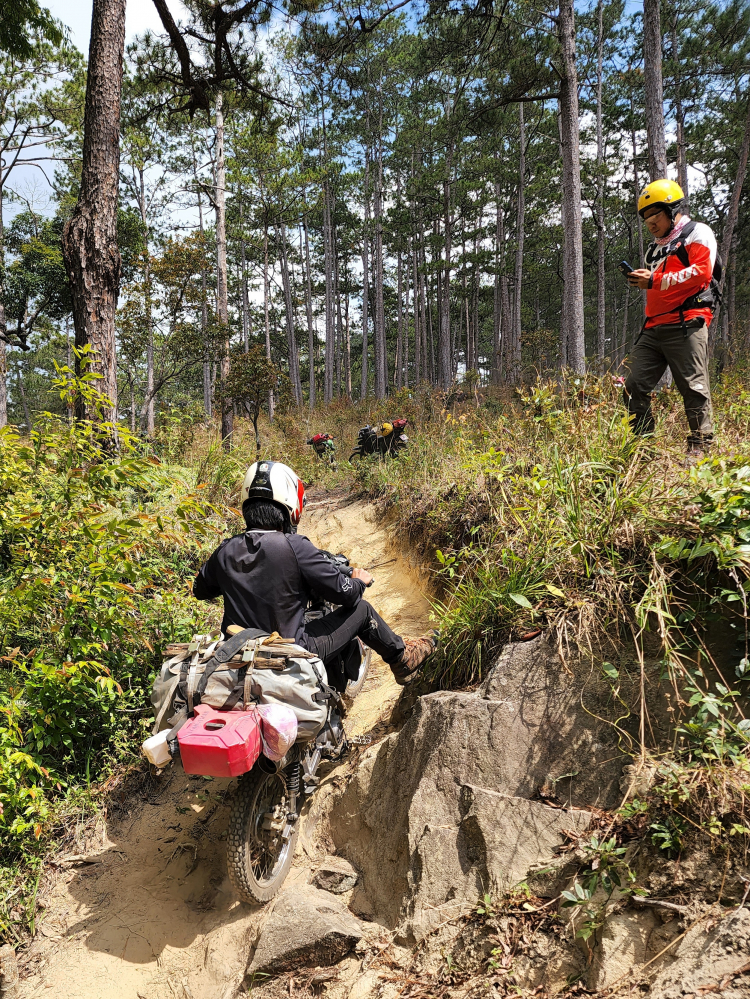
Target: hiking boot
693,456
416,651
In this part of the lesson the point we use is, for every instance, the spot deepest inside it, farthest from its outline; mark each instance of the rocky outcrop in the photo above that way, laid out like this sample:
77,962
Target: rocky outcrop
336,875
306,927
716,962
441,812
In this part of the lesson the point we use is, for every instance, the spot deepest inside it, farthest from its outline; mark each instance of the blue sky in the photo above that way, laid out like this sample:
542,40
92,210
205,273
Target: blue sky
76,14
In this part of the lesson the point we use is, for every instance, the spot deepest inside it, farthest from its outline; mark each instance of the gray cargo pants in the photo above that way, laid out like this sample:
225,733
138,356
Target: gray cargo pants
687,358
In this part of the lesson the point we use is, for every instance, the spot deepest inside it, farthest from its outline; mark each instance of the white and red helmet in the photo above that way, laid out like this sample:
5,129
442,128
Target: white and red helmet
271,480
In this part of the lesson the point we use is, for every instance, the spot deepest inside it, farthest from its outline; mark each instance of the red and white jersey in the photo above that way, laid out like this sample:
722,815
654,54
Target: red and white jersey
673,281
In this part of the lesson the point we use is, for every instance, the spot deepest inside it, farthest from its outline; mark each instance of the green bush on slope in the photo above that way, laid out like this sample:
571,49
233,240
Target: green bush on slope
95,553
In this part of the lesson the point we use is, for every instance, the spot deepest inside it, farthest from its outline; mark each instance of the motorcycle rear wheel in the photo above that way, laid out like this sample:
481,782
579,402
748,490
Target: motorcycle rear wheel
354,687
258,860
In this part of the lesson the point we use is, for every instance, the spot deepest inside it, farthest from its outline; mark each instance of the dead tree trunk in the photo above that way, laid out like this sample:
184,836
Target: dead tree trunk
652,55
573,328
92,257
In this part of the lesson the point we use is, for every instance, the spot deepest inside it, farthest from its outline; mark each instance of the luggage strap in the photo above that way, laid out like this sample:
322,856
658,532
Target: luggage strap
227,651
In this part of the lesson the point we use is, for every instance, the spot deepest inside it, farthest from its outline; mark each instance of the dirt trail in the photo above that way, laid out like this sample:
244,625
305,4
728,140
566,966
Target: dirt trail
151,914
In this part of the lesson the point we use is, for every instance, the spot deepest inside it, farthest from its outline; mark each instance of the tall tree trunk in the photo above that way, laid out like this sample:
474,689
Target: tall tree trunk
515,370
571,185
682,174
329,305
397,372
418,314
637,183
652,55
445,360
381,359
243,279
308,308
294,375
365,279
505,316
497,312
339,317
222,295
149,400
267,303
348,333
601,303
89,241
407,262
204,294
730,223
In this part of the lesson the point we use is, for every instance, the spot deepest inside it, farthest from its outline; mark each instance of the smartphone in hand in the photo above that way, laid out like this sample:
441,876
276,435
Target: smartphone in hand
625,268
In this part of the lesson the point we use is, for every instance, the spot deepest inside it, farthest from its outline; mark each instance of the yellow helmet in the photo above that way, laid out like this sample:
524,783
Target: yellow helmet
666,193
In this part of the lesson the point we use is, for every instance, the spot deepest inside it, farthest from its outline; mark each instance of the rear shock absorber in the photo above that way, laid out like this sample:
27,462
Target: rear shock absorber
293,777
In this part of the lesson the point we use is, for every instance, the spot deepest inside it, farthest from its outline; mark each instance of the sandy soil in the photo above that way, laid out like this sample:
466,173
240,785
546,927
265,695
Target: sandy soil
149,913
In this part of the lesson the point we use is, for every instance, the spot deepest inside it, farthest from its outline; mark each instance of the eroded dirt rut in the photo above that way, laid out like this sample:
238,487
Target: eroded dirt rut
146,911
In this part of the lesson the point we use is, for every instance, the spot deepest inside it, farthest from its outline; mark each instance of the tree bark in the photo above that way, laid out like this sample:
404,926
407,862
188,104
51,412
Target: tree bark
573,325
243,278
222,297
601,303
652,56
365,280
682,174
294,375
204,295
89,241
381,359
734,206
497,314
515,369
445,361
267,305
308,309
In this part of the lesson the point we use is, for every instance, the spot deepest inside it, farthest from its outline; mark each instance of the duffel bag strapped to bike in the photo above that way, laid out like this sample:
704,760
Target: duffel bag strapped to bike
250,667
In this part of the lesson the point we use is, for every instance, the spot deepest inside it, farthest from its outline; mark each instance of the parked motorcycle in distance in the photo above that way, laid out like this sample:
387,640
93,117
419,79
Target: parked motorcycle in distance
388,438
323,446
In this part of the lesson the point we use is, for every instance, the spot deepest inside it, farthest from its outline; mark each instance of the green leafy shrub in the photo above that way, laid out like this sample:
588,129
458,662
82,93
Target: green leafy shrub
96,550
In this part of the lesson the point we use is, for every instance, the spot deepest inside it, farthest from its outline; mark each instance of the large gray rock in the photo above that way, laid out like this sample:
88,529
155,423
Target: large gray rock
306,927
710,963
437,814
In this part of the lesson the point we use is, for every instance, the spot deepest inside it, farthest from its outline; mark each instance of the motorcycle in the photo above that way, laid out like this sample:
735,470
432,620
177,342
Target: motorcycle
324,447
388,438
264,821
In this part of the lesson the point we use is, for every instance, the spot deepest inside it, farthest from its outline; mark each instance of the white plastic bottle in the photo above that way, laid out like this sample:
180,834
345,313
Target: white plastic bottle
156,749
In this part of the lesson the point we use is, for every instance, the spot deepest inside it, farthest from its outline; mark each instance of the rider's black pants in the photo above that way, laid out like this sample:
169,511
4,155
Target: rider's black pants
330,634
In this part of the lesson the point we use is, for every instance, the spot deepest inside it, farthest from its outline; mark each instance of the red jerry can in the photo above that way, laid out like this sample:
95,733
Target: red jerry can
220,743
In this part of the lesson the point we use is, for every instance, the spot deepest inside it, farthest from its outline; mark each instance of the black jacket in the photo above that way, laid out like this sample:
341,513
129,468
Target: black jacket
267,579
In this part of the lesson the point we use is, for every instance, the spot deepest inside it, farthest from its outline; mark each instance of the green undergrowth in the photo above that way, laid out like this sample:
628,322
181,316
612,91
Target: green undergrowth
544,512
96,553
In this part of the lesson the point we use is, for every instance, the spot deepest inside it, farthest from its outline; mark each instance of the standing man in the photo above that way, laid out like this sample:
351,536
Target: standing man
679,306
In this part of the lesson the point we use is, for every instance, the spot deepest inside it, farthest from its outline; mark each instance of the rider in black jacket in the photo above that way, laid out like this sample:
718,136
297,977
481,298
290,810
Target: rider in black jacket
268,575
